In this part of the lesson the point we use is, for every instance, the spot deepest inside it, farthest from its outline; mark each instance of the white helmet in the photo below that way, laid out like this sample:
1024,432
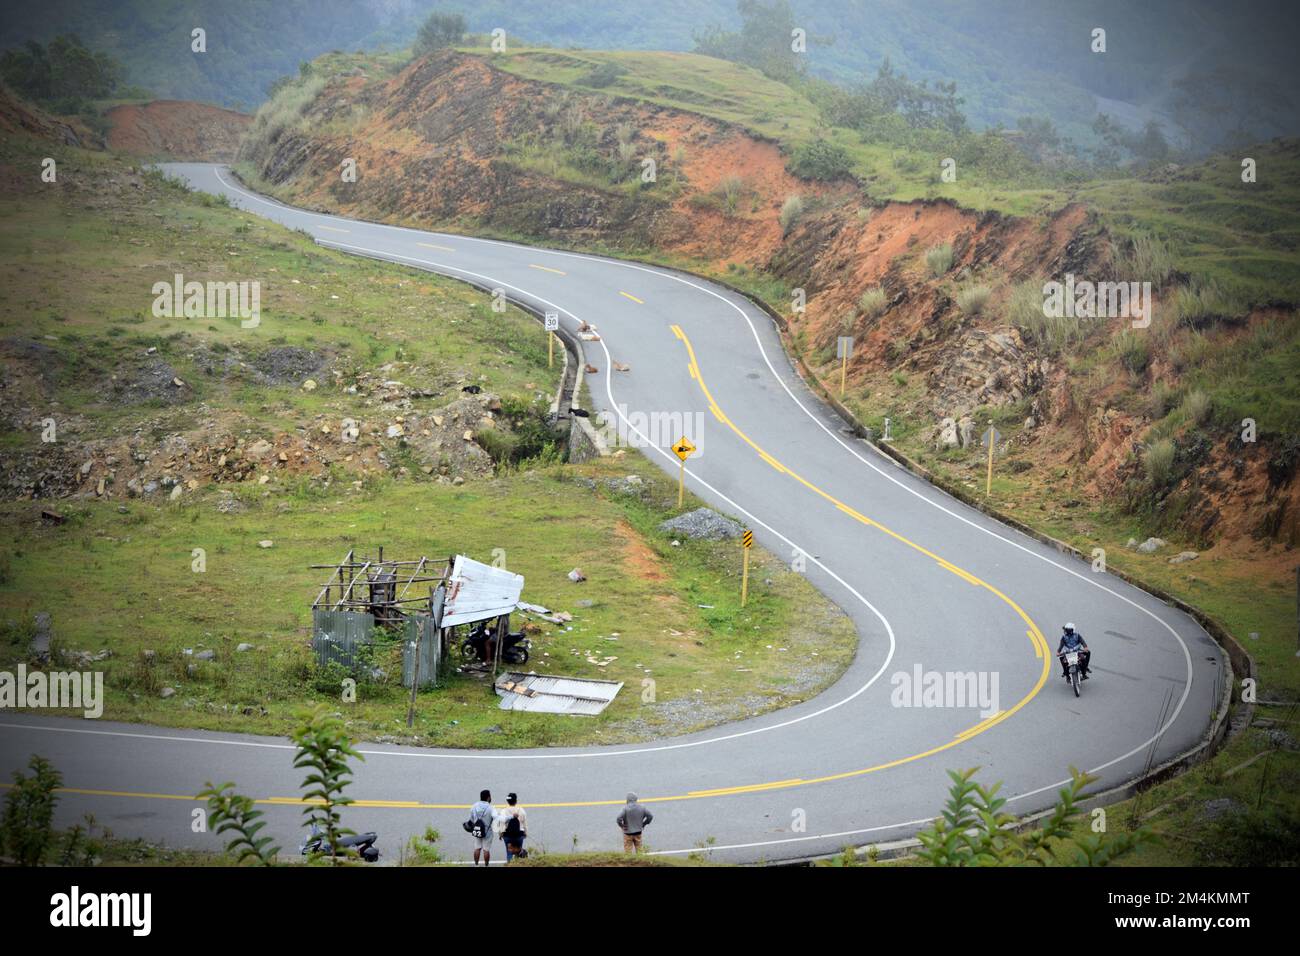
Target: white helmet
1069,627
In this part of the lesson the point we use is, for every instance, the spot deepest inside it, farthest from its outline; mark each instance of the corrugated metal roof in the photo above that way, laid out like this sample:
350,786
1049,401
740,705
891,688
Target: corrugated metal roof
542,694
478,592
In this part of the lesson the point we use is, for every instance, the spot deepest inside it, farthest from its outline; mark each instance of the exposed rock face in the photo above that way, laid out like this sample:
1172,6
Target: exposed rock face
176,129
984,368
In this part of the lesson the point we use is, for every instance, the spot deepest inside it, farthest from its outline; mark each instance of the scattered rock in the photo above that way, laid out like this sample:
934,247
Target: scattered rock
1183,557
1151,545
266,543
702,523
576,576
205,655
242,648
167,692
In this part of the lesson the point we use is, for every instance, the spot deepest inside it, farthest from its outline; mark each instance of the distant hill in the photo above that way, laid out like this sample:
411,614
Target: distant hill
1009,58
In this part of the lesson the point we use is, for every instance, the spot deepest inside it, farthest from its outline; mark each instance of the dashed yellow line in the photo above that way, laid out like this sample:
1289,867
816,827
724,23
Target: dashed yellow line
1035,636
430,245
533,265
333,228
1036,639
629,295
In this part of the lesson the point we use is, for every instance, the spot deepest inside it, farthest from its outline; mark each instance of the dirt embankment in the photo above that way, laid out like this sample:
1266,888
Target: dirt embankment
176,129
18,116
452,141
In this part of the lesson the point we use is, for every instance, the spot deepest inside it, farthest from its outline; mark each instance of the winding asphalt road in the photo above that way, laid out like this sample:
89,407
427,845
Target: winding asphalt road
927,581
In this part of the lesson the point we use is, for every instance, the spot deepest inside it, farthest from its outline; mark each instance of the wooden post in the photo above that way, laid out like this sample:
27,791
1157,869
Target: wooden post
744,580
681,485
496,649
988,484
550,350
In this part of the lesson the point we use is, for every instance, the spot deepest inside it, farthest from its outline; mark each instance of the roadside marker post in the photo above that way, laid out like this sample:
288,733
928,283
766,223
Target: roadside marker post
552,322
843,350
746,544
991,438
683,449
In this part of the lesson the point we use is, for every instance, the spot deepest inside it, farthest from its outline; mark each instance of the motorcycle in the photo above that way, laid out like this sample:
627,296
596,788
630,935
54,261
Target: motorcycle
514,648
363,844
1072,664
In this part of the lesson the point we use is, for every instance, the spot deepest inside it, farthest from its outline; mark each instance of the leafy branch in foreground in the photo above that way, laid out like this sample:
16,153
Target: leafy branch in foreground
975,830
323,749
229,812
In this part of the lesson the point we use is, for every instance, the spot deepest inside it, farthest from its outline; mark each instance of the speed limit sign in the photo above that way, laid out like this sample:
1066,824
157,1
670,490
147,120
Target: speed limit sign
552,321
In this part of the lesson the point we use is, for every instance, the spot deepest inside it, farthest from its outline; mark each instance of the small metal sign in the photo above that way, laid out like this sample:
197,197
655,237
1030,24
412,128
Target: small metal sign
844,347
991,437
552,321
747,539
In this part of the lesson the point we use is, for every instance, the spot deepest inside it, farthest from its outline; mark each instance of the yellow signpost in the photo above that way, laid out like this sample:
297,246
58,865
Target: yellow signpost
991,438
683,449
746,543
843,350
551,322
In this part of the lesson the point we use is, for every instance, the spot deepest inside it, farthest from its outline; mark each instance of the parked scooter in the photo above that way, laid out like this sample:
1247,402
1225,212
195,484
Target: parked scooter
514,649
363,844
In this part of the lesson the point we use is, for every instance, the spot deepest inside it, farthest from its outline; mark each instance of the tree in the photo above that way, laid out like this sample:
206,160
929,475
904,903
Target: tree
763,42
63,75
974,830
27,828
438,31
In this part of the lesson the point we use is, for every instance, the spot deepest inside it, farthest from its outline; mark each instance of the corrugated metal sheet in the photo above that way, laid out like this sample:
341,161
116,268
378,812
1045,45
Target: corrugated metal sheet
430,644
479,592
335,635
542,694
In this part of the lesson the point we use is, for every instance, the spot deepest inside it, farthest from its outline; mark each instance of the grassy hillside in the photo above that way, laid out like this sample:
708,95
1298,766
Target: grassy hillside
79,343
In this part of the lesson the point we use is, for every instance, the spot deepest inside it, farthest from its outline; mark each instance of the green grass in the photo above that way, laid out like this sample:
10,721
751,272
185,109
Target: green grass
79,267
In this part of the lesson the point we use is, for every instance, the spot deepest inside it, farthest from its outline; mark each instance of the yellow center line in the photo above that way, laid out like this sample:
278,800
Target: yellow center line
1036,639
333,229
430,245
629,295
1033,633
533,265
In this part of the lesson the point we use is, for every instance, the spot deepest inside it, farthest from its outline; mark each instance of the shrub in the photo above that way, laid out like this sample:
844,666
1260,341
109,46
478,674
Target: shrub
27,827
1133,351
439,30
1203,304
323,750
975,830
821,159
1158,459
873,302
791,211
1196,407
730,190
1161,400
971,299
938,259
1149,260
231,813
606,74
1192,353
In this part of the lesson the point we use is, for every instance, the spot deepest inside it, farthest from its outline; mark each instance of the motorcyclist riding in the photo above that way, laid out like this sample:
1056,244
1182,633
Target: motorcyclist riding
1072,640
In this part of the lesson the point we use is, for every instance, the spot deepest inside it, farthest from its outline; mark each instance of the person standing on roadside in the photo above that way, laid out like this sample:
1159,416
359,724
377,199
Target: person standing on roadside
512,823
479,825
632,820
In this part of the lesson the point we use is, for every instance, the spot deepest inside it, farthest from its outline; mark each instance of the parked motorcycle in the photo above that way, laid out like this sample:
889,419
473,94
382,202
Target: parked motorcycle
363,844
514,648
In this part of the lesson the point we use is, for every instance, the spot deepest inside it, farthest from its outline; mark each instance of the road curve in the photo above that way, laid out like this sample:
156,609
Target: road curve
927,580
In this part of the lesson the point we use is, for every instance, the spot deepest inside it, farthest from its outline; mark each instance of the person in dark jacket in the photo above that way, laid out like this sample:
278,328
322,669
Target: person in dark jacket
632,820
1072,640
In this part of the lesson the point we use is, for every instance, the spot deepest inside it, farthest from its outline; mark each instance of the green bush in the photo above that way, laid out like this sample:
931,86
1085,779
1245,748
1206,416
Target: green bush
1204,304
1158,459
791,211
27,827
1149,260
971,299
1133,351
1197,407
821,159
873,302
606,74
938,259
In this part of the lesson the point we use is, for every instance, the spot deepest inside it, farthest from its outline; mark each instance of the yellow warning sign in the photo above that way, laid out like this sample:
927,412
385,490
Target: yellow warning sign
747,539
683,449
